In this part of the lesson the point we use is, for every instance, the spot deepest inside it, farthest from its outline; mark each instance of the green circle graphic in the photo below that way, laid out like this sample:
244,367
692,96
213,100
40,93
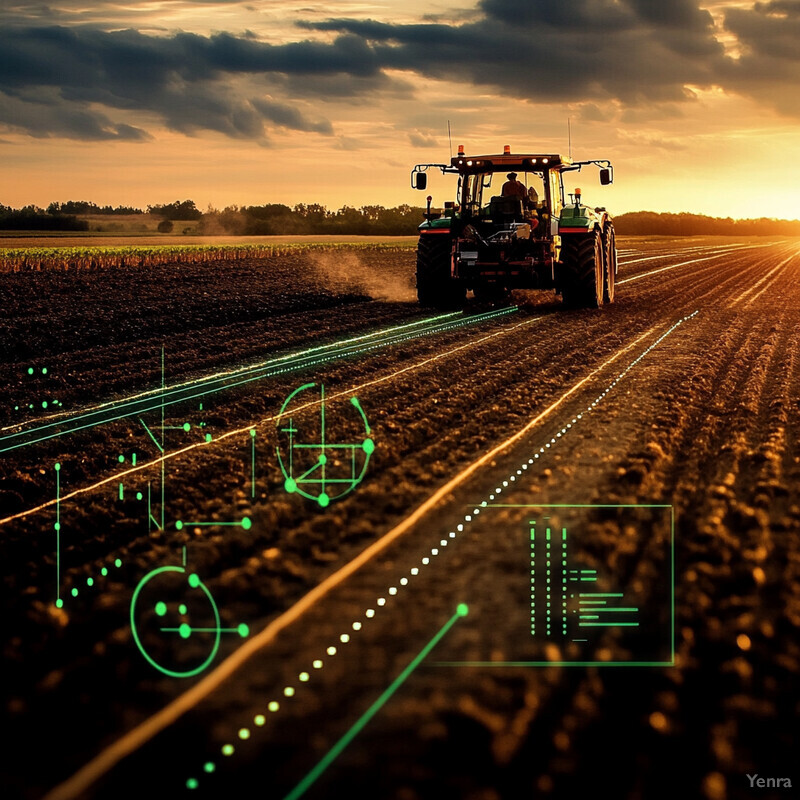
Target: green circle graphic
196,583
294,483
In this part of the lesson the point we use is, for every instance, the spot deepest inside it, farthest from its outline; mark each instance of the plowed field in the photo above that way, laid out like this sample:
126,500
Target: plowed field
660,434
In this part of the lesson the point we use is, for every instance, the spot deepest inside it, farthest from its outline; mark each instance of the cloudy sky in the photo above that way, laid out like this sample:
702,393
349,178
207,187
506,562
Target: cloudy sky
147,101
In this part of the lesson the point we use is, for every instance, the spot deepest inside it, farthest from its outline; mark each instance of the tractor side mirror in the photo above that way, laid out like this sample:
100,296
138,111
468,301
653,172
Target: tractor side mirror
420,181
605,177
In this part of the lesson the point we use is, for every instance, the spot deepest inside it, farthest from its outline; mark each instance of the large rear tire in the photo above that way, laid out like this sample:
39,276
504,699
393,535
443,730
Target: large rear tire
609,264
435,287
582,265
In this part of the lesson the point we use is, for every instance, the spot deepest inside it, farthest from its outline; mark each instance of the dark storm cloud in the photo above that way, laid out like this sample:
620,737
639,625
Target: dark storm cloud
633,51
56,118
184,79
769,66
637,53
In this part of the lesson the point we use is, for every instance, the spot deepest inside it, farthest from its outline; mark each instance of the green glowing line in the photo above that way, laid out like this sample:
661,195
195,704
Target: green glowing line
601,594
327,481
608,624
291,397
121,492
553,663
432,322
212,524
589,616
253,463
58,532
163,438
308,472
137,407
357,404
155,441
322,432
336,750
617,609
201,630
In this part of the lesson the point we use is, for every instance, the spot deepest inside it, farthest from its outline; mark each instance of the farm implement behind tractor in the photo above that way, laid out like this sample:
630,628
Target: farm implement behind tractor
522,235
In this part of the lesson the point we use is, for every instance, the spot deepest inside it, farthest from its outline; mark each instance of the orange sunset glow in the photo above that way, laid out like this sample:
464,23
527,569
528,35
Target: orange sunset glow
696,103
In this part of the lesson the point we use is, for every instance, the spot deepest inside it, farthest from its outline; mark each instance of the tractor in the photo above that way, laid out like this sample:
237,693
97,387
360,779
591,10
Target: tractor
522,235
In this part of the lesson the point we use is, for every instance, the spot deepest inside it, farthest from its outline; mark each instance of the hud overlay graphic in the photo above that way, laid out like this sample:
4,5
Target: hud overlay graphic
572,585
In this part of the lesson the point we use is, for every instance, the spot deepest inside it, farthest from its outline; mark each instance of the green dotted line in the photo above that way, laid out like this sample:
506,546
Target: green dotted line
90,581
244,733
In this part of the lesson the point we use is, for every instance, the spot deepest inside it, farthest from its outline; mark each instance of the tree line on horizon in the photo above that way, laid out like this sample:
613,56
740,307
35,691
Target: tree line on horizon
369,220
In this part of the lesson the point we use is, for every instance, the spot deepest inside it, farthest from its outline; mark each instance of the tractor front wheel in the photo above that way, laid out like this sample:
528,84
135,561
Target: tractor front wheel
582,265
435,286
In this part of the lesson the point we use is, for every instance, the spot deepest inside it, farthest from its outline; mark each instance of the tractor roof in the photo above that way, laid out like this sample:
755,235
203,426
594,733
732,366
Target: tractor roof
508,162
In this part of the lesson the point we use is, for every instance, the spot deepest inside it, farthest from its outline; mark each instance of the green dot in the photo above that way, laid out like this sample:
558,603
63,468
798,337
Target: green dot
182,609
187,426
260,719
243,630
462,610
191,783
323,500
208,437
194,580
57,466
209,766
368,446
290,485
90,581
247,523
59,603
274,706
323,459
179,525
57,526
227,749
44,403
75,592
185,631
16,408
44,370
117,563
138,495
30,370
244,733
121,458
104,572
253,432
161,608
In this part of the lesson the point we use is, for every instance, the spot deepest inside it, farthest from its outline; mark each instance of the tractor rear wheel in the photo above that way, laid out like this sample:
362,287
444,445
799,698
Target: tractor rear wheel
609,264
435,286
582,275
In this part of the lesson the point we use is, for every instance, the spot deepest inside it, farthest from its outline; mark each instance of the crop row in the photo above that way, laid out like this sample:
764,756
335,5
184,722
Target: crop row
92,258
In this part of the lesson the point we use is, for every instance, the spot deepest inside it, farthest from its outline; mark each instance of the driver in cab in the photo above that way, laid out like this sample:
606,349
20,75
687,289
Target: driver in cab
513,188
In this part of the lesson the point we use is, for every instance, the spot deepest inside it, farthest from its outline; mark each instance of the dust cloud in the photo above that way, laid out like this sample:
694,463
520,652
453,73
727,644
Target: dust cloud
349,272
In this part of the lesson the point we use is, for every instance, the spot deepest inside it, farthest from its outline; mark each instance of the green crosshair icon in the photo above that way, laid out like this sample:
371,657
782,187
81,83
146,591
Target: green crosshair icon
164,623
314,464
